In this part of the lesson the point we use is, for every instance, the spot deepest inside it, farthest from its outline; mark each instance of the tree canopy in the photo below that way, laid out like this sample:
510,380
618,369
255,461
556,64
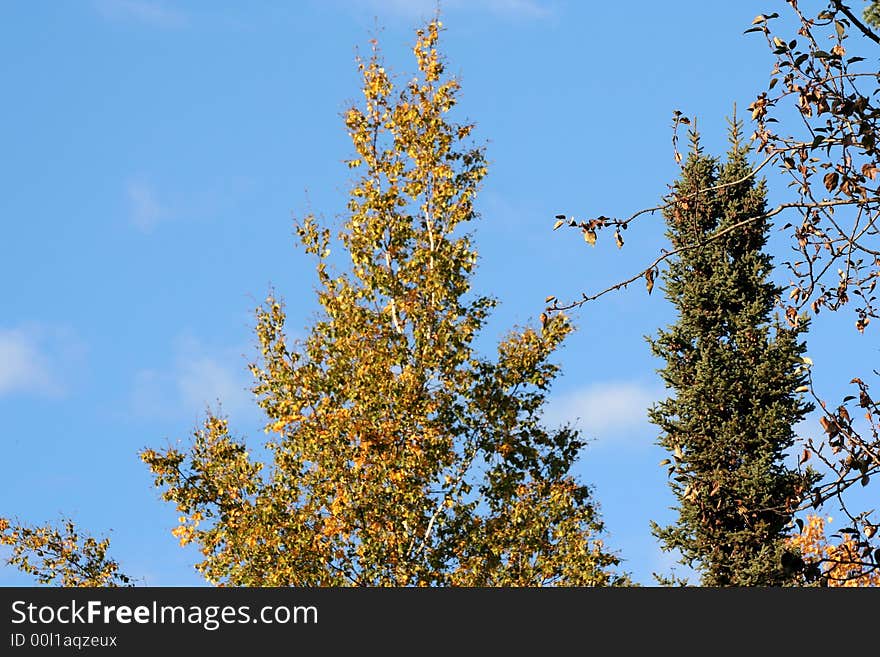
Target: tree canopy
402,456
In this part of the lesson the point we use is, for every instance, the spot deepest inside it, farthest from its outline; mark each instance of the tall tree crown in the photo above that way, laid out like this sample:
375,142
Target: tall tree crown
734,371
402,456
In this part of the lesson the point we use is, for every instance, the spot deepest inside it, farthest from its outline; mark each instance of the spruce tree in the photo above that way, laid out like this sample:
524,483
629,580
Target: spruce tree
734,369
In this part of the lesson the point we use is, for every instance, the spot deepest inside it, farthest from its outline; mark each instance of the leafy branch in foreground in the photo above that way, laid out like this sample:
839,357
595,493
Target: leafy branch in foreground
839,563
60,556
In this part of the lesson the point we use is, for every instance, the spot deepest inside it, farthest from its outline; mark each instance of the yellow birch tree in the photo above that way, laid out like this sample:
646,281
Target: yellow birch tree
400,456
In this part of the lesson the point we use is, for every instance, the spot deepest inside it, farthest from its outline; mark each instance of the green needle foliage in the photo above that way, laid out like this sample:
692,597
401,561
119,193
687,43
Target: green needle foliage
871,13
402,457
736,373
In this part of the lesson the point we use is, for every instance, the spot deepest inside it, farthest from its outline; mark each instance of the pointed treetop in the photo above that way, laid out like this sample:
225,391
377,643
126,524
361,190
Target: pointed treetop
694,137
734,132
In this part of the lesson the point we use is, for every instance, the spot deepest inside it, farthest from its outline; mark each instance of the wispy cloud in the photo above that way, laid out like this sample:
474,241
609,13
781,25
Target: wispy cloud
36,359
150,205
23,368
202,380
604,410
196,379
533,9
149,13
145,210
526,8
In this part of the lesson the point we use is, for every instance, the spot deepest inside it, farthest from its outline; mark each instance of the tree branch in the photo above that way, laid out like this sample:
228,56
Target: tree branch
668,254
867,31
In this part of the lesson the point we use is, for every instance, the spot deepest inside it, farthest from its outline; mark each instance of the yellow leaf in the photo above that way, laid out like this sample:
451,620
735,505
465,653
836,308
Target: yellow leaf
590,236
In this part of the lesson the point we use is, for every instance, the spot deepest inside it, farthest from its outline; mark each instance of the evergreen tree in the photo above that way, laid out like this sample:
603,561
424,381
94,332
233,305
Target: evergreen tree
402,456
871,13
735,370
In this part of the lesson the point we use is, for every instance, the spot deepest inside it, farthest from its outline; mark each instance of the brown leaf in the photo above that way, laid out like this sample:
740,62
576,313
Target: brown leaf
830,180
649,280
830,428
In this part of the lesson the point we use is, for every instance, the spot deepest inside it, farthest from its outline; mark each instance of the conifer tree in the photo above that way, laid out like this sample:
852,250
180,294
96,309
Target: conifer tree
401,456
734,371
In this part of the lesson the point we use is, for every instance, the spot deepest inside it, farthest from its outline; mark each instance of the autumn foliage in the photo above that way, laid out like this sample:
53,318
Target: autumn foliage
61,556
839,564
399,455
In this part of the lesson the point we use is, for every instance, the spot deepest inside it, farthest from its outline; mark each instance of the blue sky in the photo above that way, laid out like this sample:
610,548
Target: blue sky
156,153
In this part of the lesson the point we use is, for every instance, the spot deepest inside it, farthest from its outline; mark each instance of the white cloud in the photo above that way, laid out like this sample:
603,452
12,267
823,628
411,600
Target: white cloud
142,11
202,380
35,359
22,367
604,409
149,204
145,210
425,8
527,8
195,381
